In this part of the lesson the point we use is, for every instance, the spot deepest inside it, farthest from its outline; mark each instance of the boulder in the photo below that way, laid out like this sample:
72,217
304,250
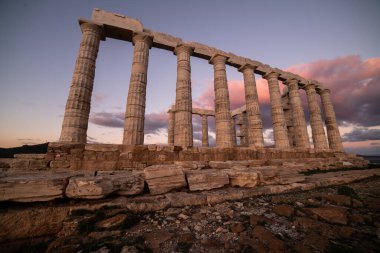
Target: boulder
126,182
269,239
335,215
32,187
164,178
105,183
89,187
31,222
284,210
206,179
180,199
242,177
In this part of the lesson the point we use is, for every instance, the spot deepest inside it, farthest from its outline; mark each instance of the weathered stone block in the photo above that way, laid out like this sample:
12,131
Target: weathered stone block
164,178
33,187
243,177
89,187
206,179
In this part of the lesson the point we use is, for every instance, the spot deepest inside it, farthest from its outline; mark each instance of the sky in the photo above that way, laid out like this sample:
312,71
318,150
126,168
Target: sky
335,42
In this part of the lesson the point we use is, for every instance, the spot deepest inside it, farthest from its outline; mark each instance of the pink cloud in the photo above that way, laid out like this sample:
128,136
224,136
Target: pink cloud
354,84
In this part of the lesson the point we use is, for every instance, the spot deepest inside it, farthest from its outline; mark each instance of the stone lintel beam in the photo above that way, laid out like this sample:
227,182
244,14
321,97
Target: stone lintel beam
200,112
239,111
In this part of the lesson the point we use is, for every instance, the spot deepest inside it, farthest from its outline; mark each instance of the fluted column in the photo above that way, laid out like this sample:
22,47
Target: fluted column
222,103
77,111
135,111
299,123
278,119
317,130
171,127
204,131
233,131
255,124
183,132
333,134
288,116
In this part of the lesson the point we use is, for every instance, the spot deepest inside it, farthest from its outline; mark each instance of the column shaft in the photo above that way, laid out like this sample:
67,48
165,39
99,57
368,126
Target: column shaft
301,137
288,117
278,119
318,132
255,125
333,134
77,111
183,131
135,109
171,127
222,103
233,131
204,131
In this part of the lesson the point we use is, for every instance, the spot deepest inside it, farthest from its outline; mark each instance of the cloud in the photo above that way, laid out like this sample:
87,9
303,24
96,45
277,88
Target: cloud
153,121
362,134
354,84
108,119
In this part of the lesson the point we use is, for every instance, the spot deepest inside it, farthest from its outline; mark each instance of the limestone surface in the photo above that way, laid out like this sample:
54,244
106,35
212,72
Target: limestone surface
164,178
206,179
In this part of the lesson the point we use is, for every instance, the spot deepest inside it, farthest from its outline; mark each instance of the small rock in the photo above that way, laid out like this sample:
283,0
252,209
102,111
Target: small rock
219,230
112,222
197,228
129,249
186,229
336,215
183,216
284,210
258,220
237,227
299,204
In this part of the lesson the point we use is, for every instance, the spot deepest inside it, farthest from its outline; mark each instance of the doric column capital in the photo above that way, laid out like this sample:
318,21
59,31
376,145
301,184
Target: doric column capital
183,48
270,75
324,91
309,86
292,83
218,58
142,37
86,26
247,66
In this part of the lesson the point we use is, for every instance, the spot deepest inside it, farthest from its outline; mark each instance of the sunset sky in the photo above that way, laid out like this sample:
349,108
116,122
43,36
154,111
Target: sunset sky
335,42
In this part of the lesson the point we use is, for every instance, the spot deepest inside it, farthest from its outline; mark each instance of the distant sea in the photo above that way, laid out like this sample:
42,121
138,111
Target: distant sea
372,159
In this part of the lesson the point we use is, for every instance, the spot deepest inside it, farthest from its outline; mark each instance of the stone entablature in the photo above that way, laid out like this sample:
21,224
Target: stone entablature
180,131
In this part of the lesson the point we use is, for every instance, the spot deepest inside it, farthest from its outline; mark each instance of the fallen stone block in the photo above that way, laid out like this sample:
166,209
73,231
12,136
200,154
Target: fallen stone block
89,187
242,177
125,182
105,183
180,199
206,179
164,178
335,215
32,187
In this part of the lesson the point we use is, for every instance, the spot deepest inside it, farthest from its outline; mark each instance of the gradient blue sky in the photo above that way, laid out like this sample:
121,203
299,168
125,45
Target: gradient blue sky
40,39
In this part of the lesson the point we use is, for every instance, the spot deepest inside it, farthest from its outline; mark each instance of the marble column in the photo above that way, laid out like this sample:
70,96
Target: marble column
333,134
171,127
183,132
278,119
135,109
77,111
233,131
222,103
205,142
255,125
288,116
317,130
301,136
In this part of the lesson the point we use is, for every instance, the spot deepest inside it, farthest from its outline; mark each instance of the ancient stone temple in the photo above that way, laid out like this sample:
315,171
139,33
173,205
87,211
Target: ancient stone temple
142,178
288,119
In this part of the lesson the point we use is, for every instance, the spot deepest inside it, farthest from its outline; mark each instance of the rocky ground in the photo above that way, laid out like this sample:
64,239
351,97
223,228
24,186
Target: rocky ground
335,219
